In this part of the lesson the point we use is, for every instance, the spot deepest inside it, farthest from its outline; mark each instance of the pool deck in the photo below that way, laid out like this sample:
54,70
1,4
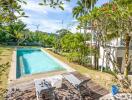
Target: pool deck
29,78
12,72
26,90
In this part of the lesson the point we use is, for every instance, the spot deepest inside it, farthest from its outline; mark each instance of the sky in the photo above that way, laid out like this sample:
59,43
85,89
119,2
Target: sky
49,19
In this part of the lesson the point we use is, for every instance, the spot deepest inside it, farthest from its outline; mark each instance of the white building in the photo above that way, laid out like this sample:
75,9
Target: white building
116,49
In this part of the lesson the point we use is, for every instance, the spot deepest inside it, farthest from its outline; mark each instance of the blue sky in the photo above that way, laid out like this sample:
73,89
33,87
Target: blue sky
49,19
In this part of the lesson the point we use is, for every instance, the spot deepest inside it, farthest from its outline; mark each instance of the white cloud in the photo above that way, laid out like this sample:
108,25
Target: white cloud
35,7
67,7
46,24
27,20
50,25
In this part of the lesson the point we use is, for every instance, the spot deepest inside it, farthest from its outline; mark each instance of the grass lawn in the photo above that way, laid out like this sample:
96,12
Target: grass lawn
5,57
101,78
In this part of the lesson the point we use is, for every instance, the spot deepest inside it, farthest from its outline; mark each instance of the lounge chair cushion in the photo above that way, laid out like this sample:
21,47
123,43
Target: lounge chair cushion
72,79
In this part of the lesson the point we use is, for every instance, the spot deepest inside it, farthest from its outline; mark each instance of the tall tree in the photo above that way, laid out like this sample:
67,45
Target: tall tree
20,32
10,11
83,7
62,32
112,20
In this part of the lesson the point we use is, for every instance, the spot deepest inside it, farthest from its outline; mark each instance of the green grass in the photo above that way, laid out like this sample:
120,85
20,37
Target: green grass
5,57
101,78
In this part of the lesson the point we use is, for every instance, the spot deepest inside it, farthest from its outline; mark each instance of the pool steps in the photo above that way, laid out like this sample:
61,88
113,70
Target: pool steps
21,65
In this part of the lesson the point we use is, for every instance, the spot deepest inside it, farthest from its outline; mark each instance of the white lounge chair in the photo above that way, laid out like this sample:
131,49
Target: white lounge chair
80,85
45,85
72,79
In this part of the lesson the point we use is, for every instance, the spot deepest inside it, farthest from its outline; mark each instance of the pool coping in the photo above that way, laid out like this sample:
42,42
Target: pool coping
12,72
64,65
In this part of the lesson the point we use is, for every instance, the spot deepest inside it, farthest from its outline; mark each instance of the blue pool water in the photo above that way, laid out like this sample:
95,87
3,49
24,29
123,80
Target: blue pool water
31,61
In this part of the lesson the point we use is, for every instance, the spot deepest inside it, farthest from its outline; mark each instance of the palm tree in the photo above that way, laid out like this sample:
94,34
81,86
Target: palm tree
19,32
78,10
83,7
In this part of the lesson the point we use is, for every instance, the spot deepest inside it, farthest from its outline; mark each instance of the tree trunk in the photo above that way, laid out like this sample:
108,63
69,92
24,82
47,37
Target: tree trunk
95,61
98,54
103,61
127,40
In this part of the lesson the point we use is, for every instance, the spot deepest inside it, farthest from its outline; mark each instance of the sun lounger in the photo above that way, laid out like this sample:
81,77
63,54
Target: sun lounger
80,85
46,86
72,79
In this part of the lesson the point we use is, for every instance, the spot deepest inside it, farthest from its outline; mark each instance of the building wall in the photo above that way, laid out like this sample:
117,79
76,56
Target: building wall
118,49
103,62
121,53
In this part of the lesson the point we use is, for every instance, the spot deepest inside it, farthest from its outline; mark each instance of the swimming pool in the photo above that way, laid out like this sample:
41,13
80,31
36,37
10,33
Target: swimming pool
31,61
